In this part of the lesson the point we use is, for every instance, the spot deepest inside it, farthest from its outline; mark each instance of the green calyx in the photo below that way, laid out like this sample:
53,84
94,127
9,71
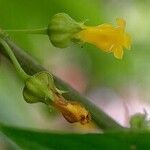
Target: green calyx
40,88
61,30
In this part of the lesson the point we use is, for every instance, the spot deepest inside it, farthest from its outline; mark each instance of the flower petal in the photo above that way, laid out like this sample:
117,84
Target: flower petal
108,38
127,41
118,52
121,22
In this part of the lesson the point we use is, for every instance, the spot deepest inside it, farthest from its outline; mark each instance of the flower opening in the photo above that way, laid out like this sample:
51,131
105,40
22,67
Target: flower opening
107,37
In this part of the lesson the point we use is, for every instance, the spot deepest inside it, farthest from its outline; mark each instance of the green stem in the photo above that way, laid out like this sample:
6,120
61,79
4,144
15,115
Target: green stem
8,50
30,31
101,119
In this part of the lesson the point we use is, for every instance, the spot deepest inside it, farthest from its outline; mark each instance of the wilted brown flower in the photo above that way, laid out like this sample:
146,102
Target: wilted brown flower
72,111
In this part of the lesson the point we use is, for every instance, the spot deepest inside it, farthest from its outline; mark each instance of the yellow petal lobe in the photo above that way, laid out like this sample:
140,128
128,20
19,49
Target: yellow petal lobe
118,52
108,38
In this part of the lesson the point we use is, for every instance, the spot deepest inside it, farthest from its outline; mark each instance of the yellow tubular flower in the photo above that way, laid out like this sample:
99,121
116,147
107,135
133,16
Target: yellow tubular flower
107,37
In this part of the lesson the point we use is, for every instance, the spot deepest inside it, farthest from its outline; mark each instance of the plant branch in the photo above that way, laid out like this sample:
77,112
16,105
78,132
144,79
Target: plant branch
31,67
29,31
16,64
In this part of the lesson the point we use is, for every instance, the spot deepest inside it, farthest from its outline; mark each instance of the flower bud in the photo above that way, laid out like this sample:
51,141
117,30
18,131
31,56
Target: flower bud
61,30
139,121
38,88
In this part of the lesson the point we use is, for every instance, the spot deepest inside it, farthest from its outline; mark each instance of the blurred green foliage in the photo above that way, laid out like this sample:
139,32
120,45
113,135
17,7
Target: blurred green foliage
125,140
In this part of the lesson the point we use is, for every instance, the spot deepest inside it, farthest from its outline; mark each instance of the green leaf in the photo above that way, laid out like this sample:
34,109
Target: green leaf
117,140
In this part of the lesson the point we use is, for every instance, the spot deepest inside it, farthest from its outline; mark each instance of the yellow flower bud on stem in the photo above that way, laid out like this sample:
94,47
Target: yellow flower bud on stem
62,30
